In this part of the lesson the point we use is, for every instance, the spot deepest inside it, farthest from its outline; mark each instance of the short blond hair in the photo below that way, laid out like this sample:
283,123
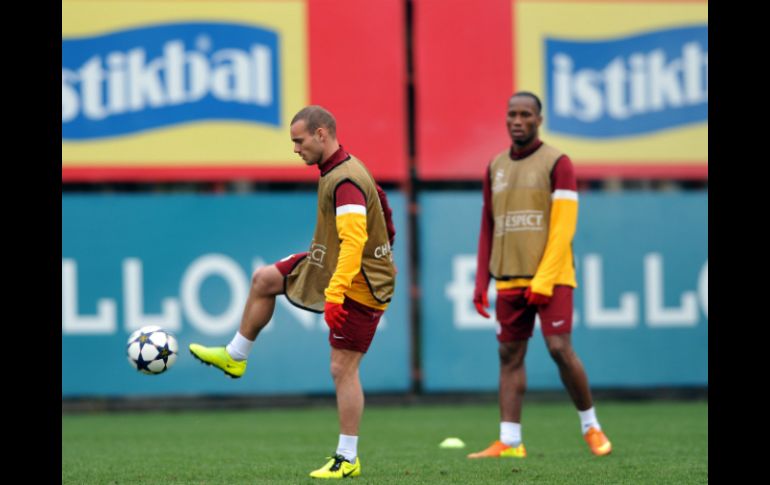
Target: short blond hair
316,117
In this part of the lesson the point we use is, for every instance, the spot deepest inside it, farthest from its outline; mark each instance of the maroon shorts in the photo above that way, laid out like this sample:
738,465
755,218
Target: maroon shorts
358,331
516,319
289,262
359,327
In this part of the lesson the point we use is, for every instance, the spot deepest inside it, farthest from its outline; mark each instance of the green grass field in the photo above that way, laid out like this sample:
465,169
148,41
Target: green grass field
653,442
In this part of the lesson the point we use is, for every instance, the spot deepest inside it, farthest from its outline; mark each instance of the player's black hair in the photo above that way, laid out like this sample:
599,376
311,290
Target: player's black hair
530,95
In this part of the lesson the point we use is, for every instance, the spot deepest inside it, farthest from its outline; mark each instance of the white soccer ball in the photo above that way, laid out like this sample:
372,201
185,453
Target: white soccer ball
152,350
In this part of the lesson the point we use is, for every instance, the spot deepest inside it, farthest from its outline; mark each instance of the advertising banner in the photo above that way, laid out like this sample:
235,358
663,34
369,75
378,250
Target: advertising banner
178,90
624,85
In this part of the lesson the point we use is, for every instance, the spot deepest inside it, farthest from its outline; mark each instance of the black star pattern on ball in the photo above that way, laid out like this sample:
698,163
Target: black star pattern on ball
141,364
163,353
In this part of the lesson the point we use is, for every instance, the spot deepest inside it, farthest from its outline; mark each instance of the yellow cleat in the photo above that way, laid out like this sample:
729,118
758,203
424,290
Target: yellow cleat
218,357
598,442
338,467
498,449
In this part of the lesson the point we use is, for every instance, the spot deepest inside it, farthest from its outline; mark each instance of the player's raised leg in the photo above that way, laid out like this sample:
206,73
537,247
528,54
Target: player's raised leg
266,283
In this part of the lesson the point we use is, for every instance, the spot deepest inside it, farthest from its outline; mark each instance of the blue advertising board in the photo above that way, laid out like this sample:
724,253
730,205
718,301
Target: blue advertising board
641,306
184,262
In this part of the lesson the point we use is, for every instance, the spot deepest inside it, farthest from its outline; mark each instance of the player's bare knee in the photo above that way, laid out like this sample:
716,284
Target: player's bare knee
340,370
560,350
510,357
506,355
261,282
256,279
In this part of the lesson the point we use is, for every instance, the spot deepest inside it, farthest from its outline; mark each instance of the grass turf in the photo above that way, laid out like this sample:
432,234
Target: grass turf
653,442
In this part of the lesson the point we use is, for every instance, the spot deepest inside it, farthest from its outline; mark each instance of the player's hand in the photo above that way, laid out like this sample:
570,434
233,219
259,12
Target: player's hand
481,302
536,298
334,315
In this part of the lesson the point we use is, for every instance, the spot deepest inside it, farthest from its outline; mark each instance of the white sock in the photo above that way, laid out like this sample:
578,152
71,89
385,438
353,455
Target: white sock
348,447
510,433
240,347
588,420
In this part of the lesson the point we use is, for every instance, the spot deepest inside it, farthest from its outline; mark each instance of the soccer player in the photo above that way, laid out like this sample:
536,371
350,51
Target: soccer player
528,220
348,275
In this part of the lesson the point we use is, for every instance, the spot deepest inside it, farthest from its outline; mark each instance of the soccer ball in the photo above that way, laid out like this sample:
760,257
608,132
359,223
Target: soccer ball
152,350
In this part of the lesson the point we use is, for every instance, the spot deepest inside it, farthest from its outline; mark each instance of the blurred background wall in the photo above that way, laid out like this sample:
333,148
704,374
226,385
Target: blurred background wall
178,179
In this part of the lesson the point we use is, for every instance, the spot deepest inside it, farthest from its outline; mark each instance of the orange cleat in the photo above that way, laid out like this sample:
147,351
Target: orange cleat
498,449
598,442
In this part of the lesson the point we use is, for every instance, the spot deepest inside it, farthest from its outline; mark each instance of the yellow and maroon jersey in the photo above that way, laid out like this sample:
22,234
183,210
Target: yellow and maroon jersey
348,281
556,266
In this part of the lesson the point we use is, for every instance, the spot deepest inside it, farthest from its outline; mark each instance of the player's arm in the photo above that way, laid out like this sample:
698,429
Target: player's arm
561,229
351,229
484,249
